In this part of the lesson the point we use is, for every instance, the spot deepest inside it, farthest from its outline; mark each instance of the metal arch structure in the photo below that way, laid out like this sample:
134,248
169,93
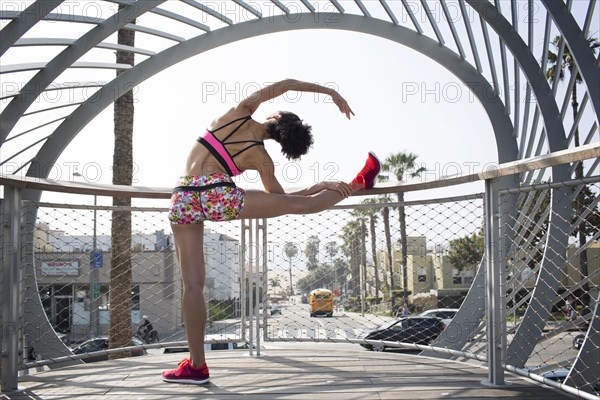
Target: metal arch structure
479,52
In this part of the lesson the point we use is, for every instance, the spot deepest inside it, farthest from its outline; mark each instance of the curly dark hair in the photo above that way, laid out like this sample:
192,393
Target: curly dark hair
292,134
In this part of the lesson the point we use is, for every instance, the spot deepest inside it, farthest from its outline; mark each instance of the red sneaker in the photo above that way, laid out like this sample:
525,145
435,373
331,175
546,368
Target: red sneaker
186,373
366,177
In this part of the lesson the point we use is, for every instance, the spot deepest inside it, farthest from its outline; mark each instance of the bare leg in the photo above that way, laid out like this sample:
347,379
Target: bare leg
189,244
259,204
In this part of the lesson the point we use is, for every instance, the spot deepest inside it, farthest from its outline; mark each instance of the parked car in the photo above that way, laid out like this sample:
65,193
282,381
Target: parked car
418,330
271,310
234,342
578,341
275,309
445,314
558,375
101,343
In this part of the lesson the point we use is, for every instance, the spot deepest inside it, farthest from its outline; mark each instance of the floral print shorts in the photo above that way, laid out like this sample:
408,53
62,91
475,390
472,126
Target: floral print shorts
212,197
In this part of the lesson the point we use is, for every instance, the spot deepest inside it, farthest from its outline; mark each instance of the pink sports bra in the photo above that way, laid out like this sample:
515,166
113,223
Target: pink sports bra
219,150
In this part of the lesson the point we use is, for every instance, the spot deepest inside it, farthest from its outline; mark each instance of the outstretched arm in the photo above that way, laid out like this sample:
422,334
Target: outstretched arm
270,92
343,188
266,170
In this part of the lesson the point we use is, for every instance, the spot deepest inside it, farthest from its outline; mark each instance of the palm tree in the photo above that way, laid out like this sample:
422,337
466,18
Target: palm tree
401,164
331,249
385,213
291,250
120,274
275,282
371,214
311,250
569,63
351,247
361,238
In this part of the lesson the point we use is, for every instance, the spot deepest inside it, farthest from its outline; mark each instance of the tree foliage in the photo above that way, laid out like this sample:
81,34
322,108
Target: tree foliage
589,224
290,249
466,251
311,250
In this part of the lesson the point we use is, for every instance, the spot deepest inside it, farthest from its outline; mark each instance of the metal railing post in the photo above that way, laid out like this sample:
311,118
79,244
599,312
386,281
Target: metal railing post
265,275
254,253
493,285
11,288
256,284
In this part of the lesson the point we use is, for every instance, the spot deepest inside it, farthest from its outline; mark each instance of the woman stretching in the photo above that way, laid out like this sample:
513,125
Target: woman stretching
232,144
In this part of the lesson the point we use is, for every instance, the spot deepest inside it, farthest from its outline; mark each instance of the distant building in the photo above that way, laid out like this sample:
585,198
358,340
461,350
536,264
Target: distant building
430,271
426,272
64,263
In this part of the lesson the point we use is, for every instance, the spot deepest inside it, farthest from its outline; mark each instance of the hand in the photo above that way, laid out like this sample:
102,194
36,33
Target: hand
341,187
342,105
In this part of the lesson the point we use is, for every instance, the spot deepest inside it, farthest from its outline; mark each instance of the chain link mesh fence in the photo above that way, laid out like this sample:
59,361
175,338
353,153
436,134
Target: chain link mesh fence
355,252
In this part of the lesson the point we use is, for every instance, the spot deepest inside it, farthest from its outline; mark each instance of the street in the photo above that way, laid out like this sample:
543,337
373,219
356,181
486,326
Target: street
296,323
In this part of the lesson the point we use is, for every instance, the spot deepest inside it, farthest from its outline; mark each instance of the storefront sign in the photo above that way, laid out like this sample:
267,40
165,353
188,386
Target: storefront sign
60,268
98,259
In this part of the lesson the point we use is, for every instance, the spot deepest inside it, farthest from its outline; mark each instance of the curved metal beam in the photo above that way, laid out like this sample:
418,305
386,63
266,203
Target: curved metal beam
30,92
531,328
507,147
25,21
580,49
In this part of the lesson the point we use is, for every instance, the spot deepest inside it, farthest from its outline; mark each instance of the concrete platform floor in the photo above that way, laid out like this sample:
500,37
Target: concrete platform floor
284,373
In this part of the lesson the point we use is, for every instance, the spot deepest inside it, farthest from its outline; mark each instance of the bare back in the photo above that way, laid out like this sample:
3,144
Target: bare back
201,161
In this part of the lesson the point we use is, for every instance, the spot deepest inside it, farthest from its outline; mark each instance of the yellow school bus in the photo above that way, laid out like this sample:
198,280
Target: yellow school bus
320,302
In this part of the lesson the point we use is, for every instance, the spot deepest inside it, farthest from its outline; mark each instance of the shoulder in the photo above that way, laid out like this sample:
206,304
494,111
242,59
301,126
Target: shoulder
230,115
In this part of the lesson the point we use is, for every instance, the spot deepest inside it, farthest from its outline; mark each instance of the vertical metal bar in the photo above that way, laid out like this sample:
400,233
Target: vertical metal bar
493,284
265,269
472,42
546,43
530,36
568,94
516,74
558,65
338,6
461,51
11,282
362,7
308,5
244,284
389,11
542,137
431,19
412,17
532,135
517,114
577,119
95,279
514,15
505,78
530,18
490,54
525,120
588,18
251,288
257,286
